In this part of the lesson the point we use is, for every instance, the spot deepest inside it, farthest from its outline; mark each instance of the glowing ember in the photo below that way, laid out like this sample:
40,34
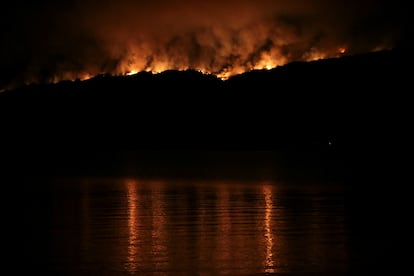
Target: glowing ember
85,76
342,50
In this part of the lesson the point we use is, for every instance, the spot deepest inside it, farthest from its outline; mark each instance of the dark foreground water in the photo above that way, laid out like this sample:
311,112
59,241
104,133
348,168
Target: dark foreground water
172,226
86,226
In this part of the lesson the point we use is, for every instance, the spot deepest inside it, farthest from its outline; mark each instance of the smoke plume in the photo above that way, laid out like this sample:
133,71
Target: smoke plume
76,39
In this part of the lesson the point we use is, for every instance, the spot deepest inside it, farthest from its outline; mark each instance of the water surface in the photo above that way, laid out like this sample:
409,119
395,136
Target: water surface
127,226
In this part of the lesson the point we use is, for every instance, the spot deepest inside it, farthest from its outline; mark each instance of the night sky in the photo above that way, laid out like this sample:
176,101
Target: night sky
46,40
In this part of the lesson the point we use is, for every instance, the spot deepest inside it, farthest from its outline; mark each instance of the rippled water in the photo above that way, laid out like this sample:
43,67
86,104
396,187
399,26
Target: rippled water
87,226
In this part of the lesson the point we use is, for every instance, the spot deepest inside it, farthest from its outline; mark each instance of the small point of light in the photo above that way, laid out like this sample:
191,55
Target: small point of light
342,50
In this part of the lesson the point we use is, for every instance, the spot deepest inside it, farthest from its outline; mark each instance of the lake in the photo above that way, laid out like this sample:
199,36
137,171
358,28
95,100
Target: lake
189,225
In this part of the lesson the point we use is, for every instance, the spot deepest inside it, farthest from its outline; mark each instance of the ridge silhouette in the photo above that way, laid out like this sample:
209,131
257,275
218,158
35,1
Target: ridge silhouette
357,103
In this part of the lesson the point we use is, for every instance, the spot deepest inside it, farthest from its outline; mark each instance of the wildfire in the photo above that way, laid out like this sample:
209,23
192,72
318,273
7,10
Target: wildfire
265,61
220,38
132,72
73,76
229,66
269,62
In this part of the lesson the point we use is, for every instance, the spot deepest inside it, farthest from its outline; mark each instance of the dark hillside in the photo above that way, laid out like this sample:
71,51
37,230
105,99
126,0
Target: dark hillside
348,106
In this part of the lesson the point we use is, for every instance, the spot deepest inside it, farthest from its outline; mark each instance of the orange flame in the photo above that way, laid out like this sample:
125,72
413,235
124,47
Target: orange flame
267,60
134,63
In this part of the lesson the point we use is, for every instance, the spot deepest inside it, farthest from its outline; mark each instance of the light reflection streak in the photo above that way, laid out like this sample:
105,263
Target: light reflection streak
269,262
133,223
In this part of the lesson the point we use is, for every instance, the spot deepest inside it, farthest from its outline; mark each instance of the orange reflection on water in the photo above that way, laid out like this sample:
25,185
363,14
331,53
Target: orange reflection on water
133,237
269,263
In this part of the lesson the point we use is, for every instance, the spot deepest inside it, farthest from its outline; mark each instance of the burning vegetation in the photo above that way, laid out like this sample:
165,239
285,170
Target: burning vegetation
221,38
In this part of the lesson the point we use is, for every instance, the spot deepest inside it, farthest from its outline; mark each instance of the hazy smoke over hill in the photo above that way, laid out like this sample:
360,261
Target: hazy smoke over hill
48,41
